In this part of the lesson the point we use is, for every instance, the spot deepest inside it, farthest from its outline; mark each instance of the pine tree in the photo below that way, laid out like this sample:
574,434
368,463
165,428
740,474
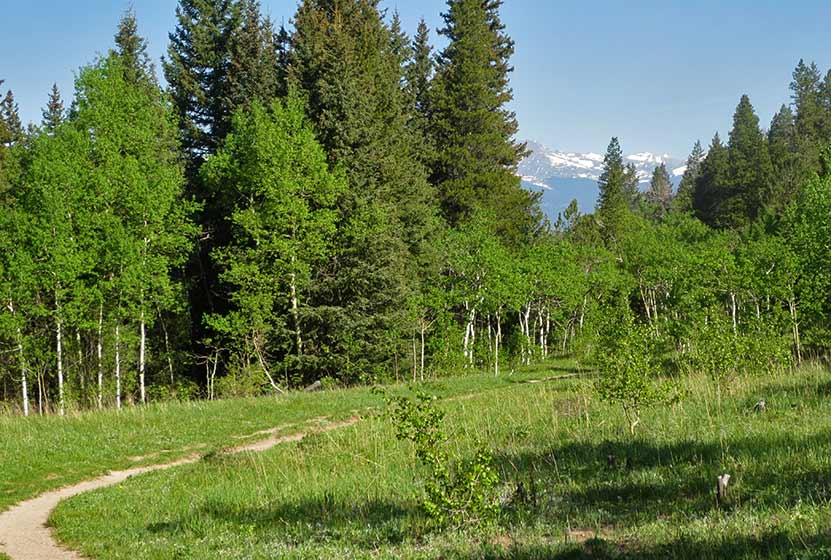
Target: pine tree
196,69
631,186
420,70
54,113
10,115
660,190
343,63
810,116
750,167
612,206
712,185
477,154
400,43
683,201
789,171
11,149
132,48
419,74
254,65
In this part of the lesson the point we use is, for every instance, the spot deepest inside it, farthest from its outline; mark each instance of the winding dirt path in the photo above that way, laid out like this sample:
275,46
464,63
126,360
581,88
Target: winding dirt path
23,531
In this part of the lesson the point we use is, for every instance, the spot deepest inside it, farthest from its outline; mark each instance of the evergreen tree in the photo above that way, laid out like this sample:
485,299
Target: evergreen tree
788,169
810,117
420,70
612,205
54,113
712,185
631,186
10,115
660,190
477,154
11,148
400,43
196,69
343,63
419,74
683,201
750,167
805,93
254,59
132,48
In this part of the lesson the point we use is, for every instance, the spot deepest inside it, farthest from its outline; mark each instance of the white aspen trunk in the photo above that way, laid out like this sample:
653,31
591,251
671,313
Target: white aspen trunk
645,301
547,329
59,352
654,298
142,351
522,350
530,342
295,312
498,341
81,376
795,325
100,353
733,313
167,348
423,328
583,310
472,335
117,366
565,337
40,392
467,336
415,359
23,381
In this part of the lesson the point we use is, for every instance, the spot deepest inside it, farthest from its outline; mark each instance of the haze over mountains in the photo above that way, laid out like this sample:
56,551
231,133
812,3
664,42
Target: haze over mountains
566,176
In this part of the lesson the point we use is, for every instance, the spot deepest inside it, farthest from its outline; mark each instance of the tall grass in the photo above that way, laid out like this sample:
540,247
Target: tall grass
574,483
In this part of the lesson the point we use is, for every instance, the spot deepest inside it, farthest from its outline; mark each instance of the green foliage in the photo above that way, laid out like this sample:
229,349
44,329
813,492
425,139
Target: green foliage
273,174
457,495
627,359
612,206
684,198
474,131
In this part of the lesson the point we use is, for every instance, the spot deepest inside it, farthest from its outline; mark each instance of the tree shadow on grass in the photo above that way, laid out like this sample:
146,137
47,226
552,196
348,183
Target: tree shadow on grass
361,523
634,481
772,545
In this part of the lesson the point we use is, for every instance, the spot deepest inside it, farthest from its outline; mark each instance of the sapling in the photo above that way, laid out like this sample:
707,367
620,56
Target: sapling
456,494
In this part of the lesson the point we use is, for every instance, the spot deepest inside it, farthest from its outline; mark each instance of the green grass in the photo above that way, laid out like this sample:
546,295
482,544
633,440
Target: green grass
42,453
355,493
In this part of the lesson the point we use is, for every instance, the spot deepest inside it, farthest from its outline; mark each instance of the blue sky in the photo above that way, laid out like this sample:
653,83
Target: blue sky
658,74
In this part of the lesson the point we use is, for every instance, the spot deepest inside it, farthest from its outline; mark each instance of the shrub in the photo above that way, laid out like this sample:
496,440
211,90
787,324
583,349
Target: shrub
456,495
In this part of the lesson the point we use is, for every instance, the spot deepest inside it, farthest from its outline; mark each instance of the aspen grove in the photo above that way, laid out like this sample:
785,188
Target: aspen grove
339,202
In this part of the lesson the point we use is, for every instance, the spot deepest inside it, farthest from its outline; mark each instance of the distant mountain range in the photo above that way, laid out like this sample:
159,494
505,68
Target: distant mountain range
566,176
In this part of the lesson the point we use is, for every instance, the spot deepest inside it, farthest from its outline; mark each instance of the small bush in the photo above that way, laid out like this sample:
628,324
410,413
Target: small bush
457,495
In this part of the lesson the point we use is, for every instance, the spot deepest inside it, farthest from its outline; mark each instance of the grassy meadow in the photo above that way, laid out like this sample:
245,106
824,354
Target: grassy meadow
573,482
42,453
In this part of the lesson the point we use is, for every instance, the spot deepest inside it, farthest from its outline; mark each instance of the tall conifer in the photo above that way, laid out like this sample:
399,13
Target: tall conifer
474,131
683,200
54,112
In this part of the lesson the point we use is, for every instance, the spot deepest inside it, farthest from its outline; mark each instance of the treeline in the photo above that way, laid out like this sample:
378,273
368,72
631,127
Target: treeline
340,203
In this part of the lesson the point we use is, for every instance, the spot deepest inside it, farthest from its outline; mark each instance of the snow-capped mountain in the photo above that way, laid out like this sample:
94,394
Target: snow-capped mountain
566,176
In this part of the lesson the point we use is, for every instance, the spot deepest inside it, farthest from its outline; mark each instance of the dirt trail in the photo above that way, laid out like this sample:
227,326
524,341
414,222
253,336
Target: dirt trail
23,531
